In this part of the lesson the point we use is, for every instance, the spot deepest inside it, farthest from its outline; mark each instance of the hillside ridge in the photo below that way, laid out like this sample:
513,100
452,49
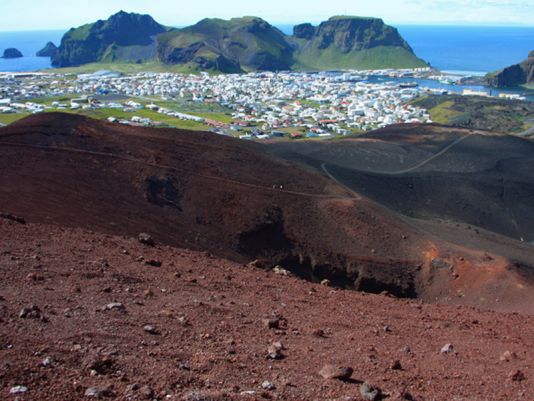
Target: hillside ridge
238,44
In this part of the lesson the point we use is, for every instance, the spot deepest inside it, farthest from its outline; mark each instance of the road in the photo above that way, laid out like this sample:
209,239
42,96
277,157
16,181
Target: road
409,169
275,188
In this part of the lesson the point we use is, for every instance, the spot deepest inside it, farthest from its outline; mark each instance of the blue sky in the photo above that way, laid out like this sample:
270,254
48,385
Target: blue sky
61,14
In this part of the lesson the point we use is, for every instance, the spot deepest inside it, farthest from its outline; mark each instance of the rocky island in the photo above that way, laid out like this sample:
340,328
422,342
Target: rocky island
515,75
48,51
12,53
238,45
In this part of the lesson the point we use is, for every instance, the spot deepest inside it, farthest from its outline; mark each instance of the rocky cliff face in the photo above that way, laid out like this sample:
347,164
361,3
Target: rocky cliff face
304,31
124,36
12,53
48,51
515,75
352,34
352,43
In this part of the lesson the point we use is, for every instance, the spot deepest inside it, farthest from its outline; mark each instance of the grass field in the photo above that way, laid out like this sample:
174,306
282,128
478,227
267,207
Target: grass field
443,113
104,113
492,114
369,59
210,111
127,68
11,117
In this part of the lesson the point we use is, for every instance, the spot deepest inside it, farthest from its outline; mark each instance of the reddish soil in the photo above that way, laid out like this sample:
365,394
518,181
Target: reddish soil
235,200
211,343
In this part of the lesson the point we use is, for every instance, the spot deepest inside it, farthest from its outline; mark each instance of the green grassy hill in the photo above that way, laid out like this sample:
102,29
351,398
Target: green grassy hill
352,43
123,37
237,45
367,59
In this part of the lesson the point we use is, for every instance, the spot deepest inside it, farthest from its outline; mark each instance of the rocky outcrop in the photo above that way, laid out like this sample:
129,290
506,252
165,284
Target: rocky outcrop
48,51
12,53
515,75
123,37
304,31
352,34
352,43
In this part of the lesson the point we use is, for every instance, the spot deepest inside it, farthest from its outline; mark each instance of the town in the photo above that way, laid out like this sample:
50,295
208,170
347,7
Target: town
249,106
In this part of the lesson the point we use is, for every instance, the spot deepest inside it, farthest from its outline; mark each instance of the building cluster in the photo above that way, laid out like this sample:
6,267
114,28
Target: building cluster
321,103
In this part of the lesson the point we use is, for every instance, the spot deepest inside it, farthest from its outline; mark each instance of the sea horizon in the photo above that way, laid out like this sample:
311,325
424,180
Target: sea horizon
466,50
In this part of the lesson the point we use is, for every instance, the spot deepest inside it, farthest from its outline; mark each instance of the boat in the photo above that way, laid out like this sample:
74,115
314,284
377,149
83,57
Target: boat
408,85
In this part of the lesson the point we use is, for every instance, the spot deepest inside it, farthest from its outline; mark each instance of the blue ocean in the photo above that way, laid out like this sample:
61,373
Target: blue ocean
448,48
28,43
466,49
470,49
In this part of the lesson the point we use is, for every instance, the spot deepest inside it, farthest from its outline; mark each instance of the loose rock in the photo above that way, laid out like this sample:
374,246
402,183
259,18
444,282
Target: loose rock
98,392
369,392
271,323
101,365
32,312
336,372
151,329
154,263
447,349
319,333
507,356
275,351
115,306
146,239
267,385
516,376
281,271
18,390
47,362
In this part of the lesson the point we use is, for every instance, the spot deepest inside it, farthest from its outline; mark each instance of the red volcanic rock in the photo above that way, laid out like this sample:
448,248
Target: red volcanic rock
202,322
336,372
236,200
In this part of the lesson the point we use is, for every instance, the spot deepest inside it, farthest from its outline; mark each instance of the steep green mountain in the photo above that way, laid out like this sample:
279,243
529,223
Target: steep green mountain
240,44
352,43
515,75
48,51
123,37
